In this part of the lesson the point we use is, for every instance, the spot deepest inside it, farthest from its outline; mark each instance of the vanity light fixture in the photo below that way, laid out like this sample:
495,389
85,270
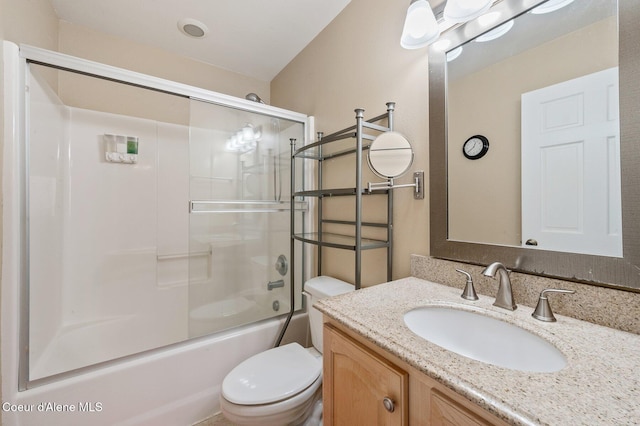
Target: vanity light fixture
245,139
459,11
420,26
550,6
489,19
441,45
454,53
496,32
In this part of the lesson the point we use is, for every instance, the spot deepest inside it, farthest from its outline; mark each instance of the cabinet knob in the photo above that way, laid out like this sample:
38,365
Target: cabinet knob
389,405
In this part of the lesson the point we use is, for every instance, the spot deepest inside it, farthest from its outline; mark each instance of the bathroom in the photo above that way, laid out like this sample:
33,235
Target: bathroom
355,62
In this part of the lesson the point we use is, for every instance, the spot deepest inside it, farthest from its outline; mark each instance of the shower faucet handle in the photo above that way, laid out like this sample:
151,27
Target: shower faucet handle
282,265
469,292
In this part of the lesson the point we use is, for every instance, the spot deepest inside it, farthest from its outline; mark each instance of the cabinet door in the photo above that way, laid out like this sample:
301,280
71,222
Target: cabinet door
446,412
361,388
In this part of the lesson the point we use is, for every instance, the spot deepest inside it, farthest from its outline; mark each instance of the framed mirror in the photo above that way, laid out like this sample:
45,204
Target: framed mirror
531,76
390,155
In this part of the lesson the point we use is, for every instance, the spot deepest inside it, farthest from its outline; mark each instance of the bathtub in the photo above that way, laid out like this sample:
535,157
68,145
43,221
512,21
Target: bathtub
176,386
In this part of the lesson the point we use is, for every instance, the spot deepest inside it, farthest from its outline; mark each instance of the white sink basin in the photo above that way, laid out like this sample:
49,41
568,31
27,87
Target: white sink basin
485,339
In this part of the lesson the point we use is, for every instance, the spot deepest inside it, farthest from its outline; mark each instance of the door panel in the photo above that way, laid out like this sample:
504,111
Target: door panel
571,166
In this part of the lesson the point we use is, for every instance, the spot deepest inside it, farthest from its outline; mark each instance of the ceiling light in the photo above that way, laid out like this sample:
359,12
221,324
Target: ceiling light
441,44
420,26
489,19
496,32
550,6
465,10
454,53
192,28
245,139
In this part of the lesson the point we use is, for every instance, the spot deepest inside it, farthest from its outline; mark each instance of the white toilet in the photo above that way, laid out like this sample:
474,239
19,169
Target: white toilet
282,386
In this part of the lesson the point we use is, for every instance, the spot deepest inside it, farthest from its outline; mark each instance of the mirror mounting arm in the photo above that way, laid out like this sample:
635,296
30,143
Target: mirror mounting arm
418,185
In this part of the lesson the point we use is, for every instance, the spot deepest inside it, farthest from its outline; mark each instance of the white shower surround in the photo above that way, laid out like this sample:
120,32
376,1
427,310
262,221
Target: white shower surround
177,385
104,294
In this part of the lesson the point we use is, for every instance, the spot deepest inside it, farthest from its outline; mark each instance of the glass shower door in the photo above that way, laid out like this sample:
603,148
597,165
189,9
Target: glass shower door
113,263
239,222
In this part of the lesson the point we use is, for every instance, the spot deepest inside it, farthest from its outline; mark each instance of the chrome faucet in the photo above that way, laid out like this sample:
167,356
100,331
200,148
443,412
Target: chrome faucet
504,298
469,292
543,310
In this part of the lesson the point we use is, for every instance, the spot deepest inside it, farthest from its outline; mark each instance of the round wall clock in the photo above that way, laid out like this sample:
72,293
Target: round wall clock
475,147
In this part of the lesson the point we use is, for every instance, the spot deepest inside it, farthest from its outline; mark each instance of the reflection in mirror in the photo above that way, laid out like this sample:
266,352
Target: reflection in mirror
390,155
555,195
543,88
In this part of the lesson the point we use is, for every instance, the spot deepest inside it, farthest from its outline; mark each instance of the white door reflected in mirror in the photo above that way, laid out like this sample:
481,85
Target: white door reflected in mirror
571,192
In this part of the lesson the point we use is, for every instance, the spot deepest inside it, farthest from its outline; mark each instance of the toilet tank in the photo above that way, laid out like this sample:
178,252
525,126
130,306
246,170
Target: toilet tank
319,288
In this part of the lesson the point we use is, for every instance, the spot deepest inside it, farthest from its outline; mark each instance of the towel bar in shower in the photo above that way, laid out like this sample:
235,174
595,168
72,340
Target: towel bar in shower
183,255
232,206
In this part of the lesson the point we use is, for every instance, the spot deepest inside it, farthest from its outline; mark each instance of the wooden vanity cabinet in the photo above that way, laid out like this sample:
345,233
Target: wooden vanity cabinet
360,387
359,376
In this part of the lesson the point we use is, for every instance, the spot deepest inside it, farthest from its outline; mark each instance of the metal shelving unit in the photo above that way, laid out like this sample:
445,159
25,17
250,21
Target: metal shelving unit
355,242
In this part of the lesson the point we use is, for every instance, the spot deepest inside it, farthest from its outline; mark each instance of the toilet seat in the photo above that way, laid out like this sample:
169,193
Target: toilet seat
289,411
271,376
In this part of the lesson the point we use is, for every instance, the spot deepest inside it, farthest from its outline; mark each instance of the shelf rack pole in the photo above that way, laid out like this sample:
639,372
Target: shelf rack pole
390,124
358,273
358,192
319,211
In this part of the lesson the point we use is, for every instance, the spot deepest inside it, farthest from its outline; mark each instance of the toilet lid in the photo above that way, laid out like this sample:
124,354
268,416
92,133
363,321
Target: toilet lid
272,376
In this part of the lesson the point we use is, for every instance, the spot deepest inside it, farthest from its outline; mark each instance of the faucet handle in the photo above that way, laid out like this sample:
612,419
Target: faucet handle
543,310
469,292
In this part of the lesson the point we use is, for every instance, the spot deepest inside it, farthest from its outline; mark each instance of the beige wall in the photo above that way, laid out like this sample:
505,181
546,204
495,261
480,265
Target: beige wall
356,62
484,195
31,22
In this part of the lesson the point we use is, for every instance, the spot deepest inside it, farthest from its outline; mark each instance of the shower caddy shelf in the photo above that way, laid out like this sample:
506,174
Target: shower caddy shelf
355,242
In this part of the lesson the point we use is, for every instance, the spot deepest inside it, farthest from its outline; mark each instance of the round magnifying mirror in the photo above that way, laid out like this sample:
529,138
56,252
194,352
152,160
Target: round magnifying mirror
390,155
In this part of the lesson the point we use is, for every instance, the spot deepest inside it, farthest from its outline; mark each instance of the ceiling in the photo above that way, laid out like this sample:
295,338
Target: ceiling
256,38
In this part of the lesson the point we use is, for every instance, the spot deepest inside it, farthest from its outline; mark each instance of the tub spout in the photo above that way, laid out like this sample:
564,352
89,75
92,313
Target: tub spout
275,284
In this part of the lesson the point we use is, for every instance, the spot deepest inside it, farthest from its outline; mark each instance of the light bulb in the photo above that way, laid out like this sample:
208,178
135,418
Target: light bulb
420,26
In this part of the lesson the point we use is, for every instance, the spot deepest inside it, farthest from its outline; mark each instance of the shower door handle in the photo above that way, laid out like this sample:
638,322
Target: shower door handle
275,284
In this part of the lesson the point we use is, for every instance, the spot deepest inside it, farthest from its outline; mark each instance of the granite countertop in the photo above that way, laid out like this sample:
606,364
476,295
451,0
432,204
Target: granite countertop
599,386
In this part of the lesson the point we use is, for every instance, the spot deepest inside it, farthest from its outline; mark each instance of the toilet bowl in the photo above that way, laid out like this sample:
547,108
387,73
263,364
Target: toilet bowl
283,385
